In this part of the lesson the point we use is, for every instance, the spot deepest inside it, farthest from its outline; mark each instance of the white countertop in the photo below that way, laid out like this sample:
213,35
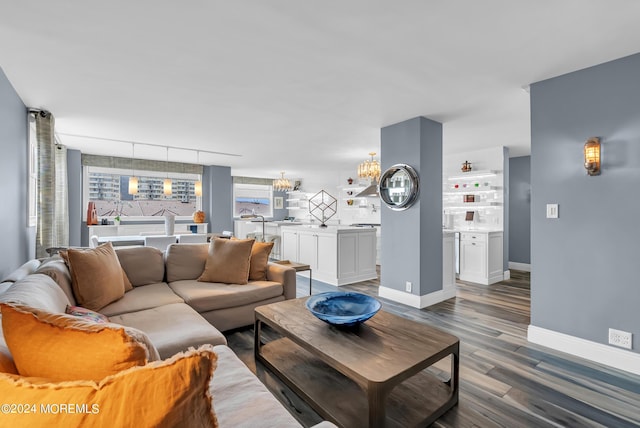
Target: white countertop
330,229
471,230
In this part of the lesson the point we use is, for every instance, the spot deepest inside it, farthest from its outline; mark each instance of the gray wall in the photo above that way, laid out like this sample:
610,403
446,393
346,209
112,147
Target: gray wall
217,197
520,209
585,276
18,239
277,213
412,239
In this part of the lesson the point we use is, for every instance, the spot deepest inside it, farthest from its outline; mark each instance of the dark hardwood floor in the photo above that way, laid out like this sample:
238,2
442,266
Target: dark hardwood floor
505,381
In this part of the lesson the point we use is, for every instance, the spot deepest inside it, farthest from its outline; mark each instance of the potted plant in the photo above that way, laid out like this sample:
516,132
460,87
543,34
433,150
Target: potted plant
116,220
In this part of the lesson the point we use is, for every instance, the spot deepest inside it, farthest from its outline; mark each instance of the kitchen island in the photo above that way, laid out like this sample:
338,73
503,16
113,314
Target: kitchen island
338,255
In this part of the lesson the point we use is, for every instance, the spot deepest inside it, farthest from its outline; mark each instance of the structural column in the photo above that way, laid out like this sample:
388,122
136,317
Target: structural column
412,239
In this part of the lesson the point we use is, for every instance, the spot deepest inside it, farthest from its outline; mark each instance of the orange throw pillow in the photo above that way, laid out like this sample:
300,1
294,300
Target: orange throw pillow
97,276
65,347
228,261
259,260
169,393
6,363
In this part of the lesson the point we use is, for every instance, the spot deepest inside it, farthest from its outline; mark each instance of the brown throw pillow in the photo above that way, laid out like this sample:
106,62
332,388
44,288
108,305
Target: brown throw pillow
259,260
228,261
97,276
127,284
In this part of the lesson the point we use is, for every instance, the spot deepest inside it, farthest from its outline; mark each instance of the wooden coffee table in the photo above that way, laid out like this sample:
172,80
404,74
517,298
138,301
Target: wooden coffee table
372,375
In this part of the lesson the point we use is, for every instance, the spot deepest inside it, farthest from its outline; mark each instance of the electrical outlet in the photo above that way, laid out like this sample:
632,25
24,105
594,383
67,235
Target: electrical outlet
407,286
620,338
552,211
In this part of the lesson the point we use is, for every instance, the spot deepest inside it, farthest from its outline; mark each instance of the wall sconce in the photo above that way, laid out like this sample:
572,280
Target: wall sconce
592,156
166,185
133,180
198,185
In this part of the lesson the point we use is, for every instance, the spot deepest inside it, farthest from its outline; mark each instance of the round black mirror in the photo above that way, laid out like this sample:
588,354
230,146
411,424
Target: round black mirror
399,187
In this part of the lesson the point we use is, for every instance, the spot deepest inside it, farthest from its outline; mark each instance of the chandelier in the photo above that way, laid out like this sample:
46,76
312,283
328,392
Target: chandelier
281,184
370,168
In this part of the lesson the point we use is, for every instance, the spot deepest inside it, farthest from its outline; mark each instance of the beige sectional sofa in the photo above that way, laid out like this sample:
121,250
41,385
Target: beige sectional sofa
176,312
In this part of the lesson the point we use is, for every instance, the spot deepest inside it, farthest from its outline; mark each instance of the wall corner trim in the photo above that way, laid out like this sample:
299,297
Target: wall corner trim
415,301
597,352
520,266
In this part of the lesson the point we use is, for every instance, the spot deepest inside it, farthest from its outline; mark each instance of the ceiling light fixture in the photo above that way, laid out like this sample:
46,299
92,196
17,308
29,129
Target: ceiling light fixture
592,156
133,180
370,169
166,187
282,184
198,185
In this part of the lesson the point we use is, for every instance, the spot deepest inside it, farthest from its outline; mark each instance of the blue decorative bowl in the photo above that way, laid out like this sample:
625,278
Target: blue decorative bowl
343,309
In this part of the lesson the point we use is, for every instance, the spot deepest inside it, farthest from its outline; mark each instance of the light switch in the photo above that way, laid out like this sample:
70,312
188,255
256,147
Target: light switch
552,210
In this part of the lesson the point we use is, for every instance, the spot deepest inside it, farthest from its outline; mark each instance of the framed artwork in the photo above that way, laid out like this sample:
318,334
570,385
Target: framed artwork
278,202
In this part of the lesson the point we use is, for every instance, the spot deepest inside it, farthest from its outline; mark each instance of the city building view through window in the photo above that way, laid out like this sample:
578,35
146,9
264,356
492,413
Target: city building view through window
251,199
110,193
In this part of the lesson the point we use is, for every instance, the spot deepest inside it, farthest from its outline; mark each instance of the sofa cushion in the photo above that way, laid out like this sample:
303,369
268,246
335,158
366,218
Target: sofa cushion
24,270
4,286
37,291
236,389
64,347
79,311
259,260
143,297
172,328
208,296
57,269
142,265
169,393
185,261
97,276
228,261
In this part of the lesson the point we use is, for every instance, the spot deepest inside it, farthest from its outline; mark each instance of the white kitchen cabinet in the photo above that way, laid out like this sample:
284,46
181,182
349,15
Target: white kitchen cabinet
337,255
481,257
242,227
289,245
139,228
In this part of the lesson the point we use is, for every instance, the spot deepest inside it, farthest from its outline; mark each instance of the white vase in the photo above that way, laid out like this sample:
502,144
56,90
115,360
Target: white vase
169,224
116,222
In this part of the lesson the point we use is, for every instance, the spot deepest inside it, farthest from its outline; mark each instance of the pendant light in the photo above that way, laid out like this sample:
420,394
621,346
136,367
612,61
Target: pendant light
198,185
167,181
281,184
133,180
370,169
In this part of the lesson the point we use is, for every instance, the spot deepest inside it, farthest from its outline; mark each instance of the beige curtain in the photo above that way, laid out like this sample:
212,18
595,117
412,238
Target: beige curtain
61,220
53,219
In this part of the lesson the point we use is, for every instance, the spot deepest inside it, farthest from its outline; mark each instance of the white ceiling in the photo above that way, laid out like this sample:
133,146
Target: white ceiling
297,85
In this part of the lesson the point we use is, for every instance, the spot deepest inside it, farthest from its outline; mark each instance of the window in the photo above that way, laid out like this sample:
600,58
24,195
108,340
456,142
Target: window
252,199
108,188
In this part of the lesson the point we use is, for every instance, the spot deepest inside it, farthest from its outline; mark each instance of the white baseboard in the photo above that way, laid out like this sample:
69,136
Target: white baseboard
520,266
416,301
506,275
603,354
